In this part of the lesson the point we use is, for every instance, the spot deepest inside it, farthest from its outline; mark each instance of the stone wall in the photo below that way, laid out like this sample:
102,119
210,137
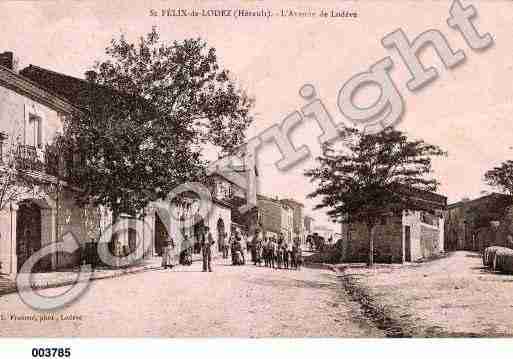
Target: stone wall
429,241
388,244
8,260
82,222
425,240
465,222
502,235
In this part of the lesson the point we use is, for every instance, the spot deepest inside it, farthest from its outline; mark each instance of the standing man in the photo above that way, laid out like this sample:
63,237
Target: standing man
221,242
206,247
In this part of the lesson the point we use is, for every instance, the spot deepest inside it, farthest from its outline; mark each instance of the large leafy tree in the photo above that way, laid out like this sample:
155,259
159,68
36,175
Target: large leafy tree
372,176
501,177
152,109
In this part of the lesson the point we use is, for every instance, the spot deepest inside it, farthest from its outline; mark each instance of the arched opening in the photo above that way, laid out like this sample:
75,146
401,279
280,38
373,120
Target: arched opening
28,235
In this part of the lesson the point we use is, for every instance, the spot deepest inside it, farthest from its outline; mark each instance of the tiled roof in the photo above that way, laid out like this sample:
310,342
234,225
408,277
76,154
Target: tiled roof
77,91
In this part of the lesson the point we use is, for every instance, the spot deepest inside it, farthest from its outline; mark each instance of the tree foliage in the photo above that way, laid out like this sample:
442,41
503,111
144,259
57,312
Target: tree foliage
372,176
501,177
151,110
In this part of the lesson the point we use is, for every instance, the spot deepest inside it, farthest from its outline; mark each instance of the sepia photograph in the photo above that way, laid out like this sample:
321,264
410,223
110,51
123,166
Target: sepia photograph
255,169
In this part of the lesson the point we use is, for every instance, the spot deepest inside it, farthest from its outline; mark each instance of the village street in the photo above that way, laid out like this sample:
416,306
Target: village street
240,301
454,296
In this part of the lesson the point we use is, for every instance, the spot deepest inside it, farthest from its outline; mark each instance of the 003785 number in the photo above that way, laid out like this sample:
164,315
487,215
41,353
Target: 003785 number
51,352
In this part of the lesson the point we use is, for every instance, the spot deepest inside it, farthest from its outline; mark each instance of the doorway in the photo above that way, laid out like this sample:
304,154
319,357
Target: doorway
161,235
28,235
407,243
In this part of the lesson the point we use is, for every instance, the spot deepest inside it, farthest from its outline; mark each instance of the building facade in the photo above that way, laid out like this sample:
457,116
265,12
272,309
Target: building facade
276,217
298,225
246,222
409,236
287,221
270,216
478,223
180,218
44,209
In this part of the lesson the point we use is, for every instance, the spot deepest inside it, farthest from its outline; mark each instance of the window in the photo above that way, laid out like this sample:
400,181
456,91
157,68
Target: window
34,133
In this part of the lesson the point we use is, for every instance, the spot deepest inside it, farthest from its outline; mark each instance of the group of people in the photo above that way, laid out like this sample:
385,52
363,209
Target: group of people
186,251
276,253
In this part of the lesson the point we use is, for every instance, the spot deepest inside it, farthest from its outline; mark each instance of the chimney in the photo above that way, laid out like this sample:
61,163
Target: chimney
91,76
7,60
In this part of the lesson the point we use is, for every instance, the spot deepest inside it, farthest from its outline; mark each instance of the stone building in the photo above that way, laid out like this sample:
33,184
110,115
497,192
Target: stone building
298,226
275,217
478,223
269,215
45,210
409,236
180,218
287,221
235,196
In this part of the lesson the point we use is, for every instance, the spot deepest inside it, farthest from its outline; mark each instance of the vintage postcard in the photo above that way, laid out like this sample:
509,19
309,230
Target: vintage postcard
256,169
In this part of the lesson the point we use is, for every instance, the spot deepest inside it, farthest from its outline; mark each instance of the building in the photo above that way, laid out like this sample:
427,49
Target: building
287,221
275,217
162,219
298,226
409,236
180,218
236,196
44,209
269,215
478,223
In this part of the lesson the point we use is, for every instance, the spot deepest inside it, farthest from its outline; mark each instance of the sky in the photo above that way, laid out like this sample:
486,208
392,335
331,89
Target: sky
467,111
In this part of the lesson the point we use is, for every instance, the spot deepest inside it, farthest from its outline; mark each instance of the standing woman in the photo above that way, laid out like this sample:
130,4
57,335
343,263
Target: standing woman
168,254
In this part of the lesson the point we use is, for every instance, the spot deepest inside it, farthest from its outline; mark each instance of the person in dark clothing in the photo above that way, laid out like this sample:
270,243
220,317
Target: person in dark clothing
206,248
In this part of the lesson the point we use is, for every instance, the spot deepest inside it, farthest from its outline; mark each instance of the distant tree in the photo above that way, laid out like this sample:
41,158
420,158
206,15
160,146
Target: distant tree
372,176
501,177
152,108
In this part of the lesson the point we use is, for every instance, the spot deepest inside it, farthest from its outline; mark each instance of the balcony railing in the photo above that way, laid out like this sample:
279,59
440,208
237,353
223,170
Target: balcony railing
29,158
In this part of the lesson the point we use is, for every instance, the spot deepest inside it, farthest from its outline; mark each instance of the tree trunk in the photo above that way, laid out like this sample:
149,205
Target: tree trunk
370,229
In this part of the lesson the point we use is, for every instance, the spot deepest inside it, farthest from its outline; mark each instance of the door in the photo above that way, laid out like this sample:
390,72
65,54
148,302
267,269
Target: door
407,243
28,235
132,240
161,235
